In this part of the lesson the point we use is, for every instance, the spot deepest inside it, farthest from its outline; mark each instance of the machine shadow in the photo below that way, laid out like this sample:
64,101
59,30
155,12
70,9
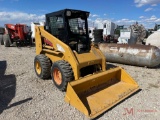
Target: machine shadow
24,45
7,88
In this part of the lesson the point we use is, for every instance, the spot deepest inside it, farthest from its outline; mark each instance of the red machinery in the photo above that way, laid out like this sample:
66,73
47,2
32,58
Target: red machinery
18,33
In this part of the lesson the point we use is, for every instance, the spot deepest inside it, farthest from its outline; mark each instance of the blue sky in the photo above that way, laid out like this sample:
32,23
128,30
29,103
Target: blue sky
146,12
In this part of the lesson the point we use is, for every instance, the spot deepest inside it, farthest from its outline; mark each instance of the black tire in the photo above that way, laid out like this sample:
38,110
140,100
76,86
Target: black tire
42,62
1,40
6,40
29,39
66,74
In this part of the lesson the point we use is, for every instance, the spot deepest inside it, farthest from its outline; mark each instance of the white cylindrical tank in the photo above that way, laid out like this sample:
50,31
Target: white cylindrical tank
154,39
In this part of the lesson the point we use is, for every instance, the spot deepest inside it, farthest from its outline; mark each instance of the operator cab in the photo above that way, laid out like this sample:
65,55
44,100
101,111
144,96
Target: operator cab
70,26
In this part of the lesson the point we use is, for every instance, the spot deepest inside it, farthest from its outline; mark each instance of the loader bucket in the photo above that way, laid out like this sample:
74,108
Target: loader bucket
94,94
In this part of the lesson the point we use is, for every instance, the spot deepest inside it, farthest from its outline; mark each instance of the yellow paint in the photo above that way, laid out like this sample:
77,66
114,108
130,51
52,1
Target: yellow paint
92,94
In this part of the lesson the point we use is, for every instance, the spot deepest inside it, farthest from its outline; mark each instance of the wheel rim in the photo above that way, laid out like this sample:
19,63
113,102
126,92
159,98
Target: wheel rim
38,67
57,76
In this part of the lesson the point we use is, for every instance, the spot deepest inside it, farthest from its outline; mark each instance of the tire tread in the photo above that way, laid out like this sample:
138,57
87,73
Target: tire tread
45,66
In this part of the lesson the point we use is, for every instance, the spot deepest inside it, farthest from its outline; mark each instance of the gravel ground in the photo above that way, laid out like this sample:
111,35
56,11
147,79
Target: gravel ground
23,96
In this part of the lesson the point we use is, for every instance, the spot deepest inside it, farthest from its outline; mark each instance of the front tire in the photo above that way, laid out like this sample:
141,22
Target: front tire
1,39
6,40
61,73
42,66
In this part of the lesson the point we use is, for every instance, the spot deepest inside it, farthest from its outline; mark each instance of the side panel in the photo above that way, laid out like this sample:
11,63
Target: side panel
57,46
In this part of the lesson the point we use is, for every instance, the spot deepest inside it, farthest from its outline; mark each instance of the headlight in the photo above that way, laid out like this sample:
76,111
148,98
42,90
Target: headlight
68,13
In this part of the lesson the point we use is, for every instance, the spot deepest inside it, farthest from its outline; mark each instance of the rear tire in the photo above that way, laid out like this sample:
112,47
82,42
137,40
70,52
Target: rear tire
42,66
61,73
1,40
6,40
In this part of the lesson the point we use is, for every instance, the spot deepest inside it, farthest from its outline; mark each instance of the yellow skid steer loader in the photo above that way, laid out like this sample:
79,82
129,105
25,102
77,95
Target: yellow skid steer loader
65,53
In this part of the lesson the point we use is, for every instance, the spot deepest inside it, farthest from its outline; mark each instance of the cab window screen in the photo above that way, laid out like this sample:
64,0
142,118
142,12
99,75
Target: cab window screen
56,23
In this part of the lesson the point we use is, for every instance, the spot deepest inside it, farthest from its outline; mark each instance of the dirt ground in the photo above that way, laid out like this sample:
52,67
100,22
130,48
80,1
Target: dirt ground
23,96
